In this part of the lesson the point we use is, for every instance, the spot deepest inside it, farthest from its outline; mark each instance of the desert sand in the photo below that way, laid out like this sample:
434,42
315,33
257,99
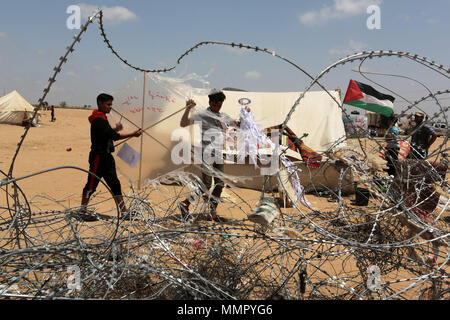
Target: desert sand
66,142
47,147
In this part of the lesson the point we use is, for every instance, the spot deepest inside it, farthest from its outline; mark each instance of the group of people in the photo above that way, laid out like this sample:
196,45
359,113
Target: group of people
423,136
102,164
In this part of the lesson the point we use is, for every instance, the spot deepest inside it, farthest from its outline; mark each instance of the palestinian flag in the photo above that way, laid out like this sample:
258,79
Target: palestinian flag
364,96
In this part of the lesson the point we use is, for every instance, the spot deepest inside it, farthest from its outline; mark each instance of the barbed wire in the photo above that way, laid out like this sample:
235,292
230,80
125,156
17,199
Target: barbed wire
51,80
304,253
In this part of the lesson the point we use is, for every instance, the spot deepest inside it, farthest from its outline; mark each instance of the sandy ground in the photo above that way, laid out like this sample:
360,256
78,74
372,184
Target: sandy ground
44,148
47,147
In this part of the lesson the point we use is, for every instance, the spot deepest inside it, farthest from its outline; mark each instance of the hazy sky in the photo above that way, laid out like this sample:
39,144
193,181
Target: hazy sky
153,34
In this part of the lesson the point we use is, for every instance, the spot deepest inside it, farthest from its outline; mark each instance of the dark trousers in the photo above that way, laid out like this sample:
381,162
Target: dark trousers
417,153
208,181
104,166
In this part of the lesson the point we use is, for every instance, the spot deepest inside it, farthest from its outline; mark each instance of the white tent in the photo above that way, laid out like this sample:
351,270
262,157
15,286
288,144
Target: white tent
14,109
317,114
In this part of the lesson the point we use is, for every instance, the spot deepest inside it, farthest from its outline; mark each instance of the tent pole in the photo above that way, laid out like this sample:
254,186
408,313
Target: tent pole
142,136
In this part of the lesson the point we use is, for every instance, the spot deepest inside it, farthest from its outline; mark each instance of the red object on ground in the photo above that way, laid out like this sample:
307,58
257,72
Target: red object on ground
69,149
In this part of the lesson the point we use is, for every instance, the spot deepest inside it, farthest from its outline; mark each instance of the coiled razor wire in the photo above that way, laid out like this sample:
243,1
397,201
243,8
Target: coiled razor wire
385,250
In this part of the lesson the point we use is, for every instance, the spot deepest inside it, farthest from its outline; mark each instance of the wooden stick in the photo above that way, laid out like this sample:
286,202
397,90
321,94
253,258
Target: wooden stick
142,136
151,126
170,115
122,116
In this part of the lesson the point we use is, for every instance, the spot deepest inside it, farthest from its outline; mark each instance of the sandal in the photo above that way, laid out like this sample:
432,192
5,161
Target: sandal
216,218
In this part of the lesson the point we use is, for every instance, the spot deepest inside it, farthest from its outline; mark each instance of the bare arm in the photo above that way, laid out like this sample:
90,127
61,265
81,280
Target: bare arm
136,133
105,129
185,120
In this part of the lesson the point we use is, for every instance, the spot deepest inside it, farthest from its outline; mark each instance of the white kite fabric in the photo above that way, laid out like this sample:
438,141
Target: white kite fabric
158,113
165,100
318,114
255,136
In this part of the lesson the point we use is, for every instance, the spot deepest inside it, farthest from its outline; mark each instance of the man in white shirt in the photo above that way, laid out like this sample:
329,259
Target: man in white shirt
214,123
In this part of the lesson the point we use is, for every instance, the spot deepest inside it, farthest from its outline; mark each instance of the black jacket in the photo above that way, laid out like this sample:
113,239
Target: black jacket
102,135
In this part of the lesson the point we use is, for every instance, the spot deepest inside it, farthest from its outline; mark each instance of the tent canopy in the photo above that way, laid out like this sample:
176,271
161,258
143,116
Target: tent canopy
14,108
317,114
160,110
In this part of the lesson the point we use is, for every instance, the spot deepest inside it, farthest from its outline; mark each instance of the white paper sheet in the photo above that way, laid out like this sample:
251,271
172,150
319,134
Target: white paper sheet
129,155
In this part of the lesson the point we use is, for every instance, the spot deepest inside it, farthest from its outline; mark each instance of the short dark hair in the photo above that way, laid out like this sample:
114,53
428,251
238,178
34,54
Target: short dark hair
217,96
103,97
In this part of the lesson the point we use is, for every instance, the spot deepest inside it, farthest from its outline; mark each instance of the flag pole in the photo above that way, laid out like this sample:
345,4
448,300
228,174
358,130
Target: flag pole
142,136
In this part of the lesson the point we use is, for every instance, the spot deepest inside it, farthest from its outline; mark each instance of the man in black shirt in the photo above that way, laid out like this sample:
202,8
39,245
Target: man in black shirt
422,138
101,161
